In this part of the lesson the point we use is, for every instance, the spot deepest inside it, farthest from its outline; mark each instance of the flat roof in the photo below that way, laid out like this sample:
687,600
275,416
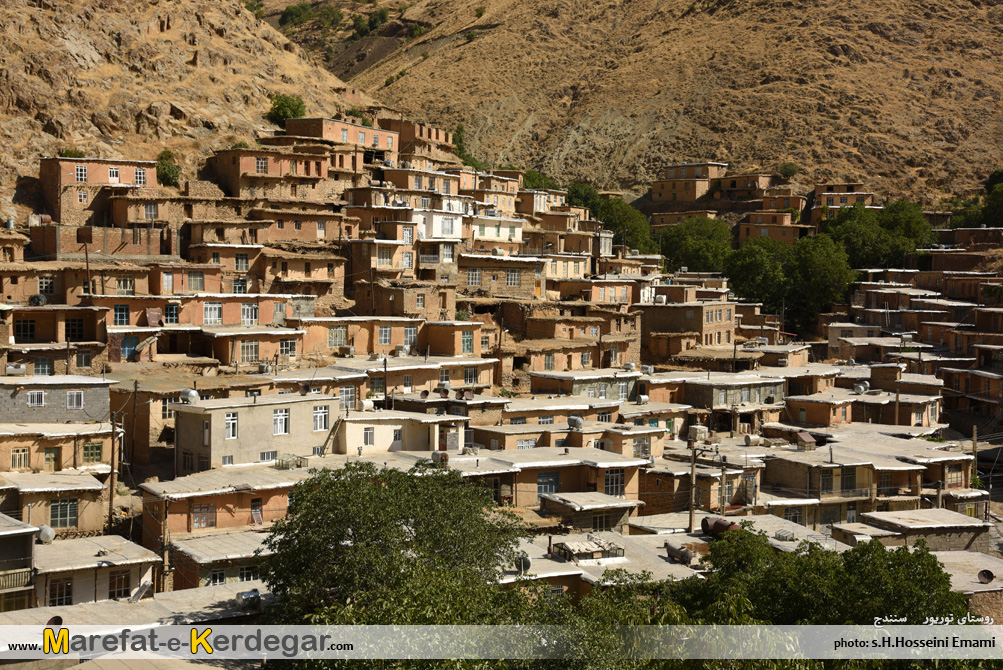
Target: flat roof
12,526
923,519
589,500
964,567
224,480
103,551
276,399
55,380
224,547
64,480
677,524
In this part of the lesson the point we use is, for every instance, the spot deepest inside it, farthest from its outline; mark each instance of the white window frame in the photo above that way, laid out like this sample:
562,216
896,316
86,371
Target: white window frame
74,400
36,398
230,426
321,417
280,421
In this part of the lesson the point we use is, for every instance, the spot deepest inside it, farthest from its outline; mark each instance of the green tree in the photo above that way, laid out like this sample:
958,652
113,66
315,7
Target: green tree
72,152
993,180
378,18
479,11
788,170
581,194
294,15
286,107
361,25
168,173
256,7
699,244
537,179
820,276
758,272
365,545
992,208
630,227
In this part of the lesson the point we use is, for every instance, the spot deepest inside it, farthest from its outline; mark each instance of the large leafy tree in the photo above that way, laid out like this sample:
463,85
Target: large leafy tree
820,276
581,194
629,225
758,272
365,545
880,238
699,244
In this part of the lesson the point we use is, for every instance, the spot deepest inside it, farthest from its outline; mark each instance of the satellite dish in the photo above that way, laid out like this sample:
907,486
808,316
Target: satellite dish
37,300
414,351
190,396
54,621
986,576
46,534
304,389
468,395
423,394
523,564
459,395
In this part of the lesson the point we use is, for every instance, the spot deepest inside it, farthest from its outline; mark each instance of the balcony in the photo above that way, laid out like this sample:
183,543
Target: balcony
428,259
886,491
846,493
15,579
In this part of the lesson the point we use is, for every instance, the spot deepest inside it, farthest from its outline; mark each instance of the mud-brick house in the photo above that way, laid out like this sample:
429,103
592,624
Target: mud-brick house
77,191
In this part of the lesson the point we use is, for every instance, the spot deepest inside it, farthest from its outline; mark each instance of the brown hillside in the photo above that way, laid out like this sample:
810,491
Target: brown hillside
903,95
128,78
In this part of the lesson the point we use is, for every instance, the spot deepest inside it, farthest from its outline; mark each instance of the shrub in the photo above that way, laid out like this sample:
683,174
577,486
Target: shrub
401,73
788,170
241,145
70,152
480,11
424,55
471,36
168,156
378,18
294,15
389,80
168,173
329,16
360,24
462,315
286,107
256,7
416,30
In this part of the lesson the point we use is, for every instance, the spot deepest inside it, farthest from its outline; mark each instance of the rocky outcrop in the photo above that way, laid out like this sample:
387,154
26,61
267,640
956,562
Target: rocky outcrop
127,78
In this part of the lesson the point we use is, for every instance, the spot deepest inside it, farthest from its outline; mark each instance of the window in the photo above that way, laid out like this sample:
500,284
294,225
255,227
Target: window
140,177
266,456
347,396
600,521
344,135
188,461
474,277
280,422
793,514
19,458
384,256
447,225
407,260
297,225
518,421
398,434
420,301
287,347
390,143
548,361
24,330
216,578
337,336
411,335
606,416
642,447
848,479
227,460
230,426
953,477
171,313
467,342
248,573
447,253
613,482
121,315
46,285
241,263
528,443
384,335
261,165
113,175
512,278
81,172
60,591
212,313
826,480
151,211
918,420
362,137
92,452
368,436
586,359
321,414
602,390
249,314
547,420
377,386
622,388
470,375
36,398
196,280
63,513
74,330
408,382
74,400
240,285
118,584
408,234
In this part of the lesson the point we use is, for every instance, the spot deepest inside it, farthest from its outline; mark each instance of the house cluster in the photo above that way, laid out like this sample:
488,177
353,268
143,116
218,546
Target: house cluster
760,204
177,361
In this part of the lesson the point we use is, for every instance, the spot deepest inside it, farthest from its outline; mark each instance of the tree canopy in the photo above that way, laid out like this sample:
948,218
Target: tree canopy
819,276
698,244
880,238
533,179
757,272
286,107
630,227
581,194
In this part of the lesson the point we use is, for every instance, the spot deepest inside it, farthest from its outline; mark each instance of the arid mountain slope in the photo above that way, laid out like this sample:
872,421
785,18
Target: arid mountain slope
129,78
904,95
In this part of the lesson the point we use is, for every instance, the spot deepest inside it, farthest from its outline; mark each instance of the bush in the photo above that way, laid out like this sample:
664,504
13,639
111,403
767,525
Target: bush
389,80
360,24
788,170
416,30
286,107
294,15
70,152
424,55
329,16
462,315
359,114
480,11
241,145
256,7
378,18
167,156
470,36
168,173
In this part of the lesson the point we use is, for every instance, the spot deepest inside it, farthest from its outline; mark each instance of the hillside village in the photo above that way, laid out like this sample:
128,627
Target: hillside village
177,359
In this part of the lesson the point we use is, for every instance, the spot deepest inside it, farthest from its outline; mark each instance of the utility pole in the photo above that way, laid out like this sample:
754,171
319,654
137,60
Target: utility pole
693,483
111,480
975,454
722,490
87,265
897,418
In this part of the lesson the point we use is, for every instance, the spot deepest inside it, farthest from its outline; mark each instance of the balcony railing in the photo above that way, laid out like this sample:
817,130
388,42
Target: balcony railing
427,259
15,579
847,493
896,491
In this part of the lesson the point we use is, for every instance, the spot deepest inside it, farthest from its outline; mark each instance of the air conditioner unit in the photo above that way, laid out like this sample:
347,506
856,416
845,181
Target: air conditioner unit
346,350
660,300
16,370
648,369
